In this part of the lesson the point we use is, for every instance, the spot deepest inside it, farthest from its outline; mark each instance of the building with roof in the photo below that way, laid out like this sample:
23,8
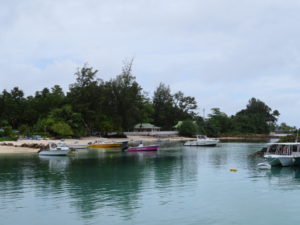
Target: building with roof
145,127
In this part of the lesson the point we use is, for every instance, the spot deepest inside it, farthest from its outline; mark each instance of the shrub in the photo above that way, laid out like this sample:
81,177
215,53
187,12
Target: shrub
188,128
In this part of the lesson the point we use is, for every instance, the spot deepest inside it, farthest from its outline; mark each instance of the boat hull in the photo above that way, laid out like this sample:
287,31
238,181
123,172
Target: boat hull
201,143
74,146
54,153
286,161
144,148
114,145
297,161
273,160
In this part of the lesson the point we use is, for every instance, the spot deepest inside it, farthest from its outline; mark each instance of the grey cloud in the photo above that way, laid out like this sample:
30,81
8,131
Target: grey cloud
221,52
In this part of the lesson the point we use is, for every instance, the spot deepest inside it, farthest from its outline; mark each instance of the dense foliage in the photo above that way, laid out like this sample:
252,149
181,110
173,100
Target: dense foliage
188,128
256,118
93,106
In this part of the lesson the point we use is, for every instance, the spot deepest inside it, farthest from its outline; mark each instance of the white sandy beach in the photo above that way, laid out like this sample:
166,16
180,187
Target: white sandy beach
13,150
16,145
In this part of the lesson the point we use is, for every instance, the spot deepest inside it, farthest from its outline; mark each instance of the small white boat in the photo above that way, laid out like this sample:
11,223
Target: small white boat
76,145
202,140
55,149
141,147
264,166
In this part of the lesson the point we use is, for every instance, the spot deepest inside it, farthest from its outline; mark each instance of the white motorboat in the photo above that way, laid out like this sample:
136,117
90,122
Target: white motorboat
284,154
264,166
76,145
55,149
202,140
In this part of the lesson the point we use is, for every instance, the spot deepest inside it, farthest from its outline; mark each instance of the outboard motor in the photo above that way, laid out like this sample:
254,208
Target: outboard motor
124,145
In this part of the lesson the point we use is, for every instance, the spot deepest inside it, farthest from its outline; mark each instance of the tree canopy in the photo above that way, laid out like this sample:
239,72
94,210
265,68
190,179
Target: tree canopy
94,106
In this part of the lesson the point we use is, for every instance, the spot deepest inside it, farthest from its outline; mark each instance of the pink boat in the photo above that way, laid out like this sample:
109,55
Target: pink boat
141,147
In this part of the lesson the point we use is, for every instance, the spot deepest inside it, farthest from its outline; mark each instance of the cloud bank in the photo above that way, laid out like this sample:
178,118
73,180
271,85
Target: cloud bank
221,52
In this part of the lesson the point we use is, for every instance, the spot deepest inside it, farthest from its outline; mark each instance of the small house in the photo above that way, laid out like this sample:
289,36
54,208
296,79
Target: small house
145,127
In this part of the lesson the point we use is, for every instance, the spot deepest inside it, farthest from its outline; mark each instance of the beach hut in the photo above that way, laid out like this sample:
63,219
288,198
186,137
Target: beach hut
145,127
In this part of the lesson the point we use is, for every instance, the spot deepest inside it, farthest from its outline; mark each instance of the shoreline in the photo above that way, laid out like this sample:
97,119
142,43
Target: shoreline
33,146
16,150
22,146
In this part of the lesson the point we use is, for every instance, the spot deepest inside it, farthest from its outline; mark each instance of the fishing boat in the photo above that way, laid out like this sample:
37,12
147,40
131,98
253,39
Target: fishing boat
284,154
202,140
141,147
55,149
101,144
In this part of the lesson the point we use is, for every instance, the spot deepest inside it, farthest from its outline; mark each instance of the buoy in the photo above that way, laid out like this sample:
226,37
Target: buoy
233,170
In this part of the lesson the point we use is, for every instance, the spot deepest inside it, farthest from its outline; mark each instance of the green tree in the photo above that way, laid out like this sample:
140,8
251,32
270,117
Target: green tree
188,128
219,122
256,118
61,129
163,107
128,100
87,97
184,105
12,107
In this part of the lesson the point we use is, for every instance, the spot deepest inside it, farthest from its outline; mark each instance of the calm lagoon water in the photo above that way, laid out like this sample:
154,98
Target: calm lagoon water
176,185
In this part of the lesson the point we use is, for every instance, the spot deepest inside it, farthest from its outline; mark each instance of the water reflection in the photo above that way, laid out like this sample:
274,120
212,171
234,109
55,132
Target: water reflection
115,180
218,158
96,185
56,163
94,181
283,178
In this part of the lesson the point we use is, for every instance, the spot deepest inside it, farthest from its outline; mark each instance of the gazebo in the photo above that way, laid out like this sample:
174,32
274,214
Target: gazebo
145,127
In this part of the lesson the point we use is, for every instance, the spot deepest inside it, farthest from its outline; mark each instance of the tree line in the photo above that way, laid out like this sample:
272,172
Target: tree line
93,106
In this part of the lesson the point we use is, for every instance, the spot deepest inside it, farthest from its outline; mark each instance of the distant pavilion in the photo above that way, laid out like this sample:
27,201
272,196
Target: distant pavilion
145,127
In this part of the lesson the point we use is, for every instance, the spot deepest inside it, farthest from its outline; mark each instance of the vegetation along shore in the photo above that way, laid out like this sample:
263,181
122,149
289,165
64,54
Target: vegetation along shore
94,107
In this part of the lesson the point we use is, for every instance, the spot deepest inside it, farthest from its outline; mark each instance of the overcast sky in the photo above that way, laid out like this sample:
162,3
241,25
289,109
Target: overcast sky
223,52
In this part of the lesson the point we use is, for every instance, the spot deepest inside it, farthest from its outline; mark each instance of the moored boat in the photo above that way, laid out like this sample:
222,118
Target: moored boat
102,144
284,154
202,140
141,147
264,166
76,145
55,149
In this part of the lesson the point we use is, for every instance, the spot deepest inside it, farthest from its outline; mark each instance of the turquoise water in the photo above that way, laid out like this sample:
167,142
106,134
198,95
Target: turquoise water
176,185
